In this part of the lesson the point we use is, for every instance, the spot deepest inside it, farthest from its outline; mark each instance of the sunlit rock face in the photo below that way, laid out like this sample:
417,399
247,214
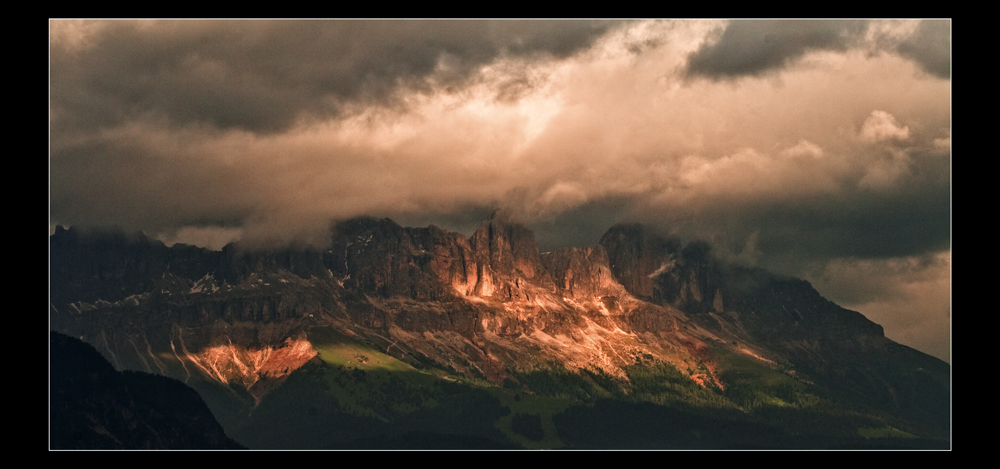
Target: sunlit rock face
507,260
232,316
258,369
485,305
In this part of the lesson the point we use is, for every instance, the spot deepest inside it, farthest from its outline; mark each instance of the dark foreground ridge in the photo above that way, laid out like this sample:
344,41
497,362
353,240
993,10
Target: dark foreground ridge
96,407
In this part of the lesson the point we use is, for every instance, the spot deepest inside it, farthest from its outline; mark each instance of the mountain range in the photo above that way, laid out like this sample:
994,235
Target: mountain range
397,337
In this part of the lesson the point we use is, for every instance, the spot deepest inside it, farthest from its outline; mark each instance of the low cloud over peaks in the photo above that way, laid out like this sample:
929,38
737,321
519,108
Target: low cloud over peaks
207,131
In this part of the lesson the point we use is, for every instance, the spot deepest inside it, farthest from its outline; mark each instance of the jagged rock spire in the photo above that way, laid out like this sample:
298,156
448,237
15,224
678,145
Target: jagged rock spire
506,255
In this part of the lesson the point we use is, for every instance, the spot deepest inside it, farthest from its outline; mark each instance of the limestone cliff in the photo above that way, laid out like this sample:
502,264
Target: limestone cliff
487,305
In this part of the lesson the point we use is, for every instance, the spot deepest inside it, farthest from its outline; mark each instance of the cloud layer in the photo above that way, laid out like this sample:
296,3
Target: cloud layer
804,147
265,76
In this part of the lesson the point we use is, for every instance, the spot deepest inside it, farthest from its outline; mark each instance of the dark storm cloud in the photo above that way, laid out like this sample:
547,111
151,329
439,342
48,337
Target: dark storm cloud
262,76
911,217
788,235
748,48
865,225
130,186
583,225
930,47
752,48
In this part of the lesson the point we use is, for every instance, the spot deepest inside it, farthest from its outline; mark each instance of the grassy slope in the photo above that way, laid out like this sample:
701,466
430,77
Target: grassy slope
353,396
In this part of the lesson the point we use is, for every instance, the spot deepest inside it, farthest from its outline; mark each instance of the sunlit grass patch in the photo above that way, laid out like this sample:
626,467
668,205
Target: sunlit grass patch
358,356
342,351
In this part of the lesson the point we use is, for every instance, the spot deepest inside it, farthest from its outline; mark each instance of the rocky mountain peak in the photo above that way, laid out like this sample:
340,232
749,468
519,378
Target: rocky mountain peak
582,272
379,256
241,324
507,259
638,257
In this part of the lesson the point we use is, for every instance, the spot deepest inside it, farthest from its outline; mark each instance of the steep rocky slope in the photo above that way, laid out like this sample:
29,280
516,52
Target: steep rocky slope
489,306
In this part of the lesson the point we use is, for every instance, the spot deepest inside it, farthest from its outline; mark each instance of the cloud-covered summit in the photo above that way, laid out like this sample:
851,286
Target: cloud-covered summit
809,147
